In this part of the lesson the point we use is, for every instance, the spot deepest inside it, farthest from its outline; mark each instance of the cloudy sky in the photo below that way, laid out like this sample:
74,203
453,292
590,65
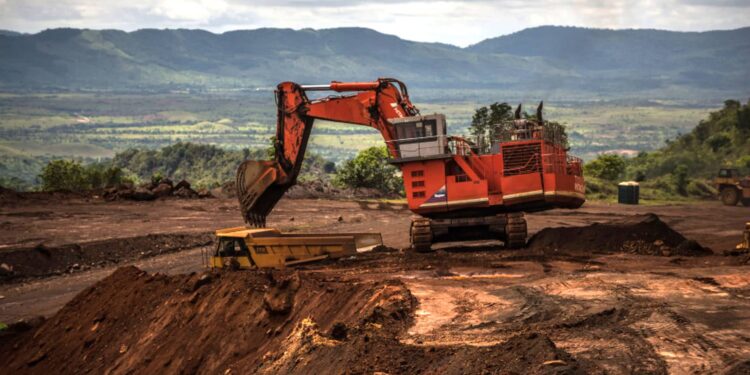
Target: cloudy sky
457,22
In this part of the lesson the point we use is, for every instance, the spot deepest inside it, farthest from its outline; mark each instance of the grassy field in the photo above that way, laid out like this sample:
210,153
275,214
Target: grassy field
94,125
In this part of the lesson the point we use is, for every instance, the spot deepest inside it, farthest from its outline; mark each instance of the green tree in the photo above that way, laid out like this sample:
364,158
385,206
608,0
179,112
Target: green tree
607,166
370,169
71,175
479,122
487,122
500,113
718,141
100,175
680,177
63,175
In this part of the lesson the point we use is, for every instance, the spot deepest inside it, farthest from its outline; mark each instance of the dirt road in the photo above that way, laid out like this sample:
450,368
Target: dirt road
624,313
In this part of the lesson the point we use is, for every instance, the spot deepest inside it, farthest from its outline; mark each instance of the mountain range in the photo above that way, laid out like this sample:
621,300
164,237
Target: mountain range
579,61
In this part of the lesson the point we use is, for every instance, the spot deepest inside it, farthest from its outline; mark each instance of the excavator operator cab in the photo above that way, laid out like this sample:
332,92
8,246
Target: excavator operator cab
420,137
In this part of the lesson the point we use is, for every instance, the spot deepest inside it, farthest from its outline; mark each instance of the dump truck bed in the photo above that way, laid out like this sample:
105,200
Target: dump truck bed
242,247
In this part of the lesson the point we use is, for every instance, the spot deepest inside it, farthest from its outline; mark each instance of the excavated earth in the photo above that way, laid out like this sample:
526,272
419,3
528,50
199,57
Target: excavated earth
602,289
256,322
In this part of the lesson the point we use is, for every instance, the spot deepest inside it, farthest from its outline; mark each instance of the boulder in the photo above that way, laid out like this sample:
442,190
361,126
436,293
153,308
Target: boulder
182,184
142,194
205,193
162,190
185,192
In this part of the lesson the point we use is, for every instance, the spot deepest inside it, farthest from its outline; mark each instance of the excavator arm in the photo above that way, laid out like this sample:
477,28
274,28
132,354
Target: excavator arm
261,184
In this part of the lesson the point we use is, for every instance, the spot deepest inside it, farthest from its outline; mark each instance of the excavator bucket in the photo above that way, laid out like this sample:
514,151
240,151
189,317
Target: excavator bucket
258,189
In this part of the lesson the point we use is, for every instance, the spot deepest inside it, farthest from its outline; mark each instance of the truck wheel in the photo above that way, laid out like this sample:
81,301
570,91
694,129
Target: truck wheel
420,235
730,196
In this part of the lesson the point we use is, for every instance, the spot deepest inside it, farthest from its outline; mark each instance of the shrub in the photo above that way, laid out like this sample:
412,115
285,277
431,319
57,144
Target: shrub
680,177
600,189
700,189
71,175
370,169
63,175
607,166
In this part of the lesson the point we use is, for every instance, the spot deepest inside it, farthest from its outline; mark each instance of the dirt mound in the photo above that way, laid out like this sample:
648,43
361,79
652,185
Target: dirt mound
38,261
639,234
163,188
253,322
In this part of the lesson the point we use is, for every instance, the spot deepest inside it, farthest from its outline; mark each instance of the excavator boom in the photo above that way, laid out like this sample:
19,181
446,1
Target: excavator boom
261,184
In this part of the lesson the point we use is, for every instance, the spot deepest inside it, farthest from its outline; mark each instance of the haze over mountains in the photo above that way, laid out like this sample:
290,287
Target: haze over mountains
564,60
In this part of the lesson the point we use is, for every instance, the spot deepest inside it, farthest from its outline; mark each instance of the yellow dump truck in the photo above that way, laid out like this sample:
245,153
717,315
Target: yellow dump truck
244,248
732,188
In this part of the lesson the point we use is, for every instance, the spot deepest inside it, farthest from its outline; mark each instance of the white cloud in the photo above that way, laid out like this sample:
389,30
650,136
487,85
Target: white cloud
190,10
448,21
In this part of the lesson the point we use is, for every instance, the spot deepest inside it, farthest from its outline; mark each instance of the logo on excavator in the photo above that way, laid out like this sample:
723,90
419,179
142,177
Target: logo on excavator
439,196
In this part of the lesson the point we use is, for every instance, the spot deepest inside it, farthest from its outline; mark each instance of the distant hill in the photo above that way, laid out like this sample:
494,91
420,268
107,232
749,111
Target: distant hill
636,58
564,60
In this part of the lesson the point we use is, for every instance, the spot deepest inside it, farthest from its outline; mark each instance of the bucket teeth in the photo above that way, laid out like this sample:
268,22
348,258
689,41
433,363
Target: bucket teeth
256,220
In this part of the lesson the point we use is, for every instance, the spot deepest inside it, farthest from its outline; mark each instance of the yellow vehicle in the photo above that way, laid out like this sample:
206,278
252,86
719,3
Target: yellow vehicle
244,248
732,188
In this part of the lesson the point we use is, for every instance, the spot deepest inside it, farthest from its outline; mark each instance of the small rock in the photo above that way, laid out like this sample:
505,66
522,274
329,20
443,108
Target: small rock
339,331
340,219
554,362
203,280
40,356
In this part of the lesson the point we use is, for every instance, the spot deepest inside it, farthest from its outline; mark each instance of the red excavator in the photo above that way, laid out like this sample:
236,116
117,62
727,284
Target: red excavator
458,188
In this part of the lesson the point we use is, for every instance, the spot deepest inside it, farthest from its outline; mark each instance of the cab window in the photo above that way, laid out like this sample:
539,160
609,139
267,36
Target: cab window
232,247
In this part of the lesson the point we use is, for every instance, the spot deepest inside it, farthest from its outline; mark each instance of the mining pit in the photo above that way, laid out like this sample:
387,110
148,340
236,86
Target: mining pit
95,286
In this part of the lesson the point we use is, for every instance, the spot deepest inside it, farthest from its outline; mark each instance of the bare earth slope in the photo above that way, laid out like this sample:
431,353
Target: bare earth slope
464,308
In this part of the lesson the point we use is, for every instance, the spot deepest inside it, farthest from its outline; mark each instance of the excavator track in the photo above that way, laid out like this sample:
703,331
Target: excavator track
515,230
420,235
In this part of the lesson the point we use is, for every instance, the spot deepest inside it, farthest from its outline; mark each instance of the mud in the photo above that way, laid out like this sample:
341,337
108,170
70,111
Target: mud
22,263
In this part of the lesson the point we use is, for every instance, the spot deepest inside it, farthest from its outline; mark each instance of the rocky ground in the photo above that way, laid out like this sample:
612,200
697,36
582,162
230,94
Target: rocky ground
617,290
